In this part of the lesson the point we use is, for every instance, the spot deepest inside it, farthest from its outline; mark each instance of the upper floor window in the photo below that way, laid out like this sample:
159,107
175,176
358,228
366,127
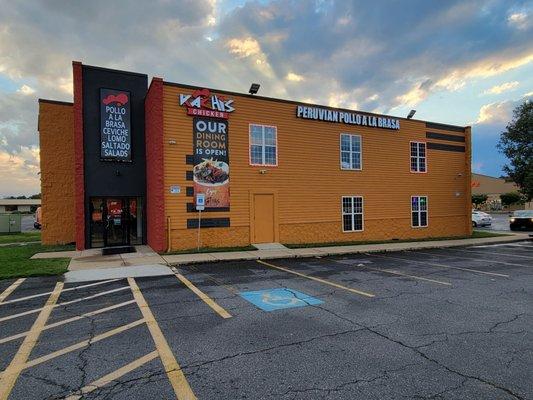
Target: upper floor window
350,151
418,157
352,213
263,145
419,211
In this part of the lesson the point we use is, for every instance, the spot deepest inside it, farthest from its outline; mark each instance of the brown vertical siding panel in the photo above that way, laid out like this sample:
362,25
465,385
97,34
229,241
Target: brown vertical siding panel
56,141
309,181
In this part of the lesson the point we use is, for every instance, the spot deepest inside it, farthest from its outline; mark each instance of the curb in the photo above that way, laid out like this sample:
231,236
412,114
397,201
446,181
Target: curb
319,253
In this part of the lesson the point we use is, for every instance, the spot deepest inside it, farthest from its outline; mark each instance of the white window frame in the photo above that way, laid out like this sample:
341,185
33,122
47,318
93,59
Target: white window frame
418,157
353,214
351,135
419,212
262,145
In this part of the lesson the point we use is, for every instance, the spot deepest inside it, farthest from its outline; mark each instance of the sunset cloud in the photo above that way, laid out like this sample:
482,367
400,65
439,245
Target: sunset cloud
341,53
501,88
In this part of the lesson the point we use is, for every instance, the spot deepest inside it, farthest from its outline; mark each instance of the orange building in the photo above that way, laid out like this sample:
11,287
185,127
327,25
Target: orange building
143,160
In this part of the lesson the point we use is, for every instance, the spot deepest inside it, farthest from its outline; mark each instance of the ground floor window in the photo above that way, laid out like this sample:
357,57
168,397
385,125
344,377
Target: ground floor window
419,211
352,213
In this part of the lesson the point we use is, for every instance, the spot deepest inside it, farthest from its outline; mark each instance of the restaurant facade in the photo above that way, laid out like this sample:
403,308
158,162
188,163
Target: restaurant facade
176,167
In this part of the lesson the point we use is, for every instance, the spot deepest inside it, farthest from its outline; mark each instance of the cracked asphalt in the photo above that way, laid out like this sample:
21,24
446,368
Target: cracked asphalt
461,332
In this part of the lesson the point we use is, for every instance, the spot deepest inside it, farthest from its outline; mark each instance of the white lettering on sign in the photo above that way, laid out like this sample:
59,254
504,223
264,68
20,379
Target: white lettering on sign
115,134
202,103
346,117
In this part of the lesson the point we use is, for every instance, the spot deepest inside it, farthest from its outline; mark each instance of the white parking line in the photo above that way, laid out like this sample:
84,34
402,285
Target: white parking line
64,303
68,320
476,258
113,376
64,290
10,289
83,343
393,272
488,252
9,377
506,244
431,264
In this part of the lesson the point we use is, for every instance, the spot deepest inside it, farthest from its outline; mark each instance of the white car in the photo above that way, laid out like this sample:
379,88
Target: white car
480,218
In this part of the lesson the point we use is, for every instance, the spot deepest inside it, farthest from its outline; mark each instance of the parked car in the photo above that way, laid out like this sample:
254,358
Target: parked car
521,220
37,220
480,218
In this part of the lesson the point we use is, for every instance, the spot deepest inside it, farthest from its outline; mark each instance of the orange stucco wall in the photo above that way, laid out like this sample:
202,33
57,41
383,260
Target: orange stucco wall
308,182
56,138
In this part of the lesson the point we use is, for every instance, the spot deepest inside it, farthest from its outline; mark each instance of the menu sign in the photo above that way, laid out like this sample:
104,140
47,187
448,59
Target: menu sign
211,161
115,127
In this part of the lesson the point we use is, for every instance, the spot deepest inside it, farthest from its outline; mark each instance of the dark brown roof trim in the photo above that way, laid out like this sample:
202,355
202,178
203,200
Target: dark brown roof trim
444,136
61,103
182,85
445,147
446,127
118,71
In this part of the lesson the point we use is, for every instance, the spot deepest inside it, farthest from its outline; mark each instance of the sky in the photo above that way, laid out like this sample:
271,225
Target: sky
457,62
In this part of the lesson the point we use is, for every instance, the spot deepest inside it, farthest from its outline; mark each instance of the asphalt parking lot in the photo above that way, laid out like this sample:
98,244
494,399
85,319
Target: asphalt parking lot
433,324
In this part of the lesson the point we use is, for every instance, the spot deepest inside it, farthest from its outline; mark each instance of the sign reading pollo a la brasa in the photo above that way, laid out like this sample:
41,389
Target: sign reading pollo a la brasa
115,128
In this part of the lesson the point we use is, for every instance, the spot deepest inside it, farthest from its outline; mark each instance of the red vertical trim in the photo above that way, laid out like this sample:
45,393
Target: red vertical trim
155,186
79,182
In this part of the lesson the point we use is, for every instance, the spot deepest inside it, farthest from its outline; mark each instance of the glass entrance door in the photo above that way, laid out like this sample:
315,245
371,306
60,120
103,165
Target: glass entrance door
116,225
116,221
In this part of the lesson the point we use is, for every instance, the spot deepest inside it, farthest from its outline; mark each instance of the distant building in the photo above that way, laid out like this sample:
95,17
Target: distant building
19,205
493,187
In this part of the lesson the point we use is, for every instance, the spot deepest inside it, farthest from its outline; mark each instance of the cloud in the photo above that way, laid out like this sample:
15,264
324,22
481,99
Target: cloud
520,20
349,54
477,167
501,88
291,76
499,112
19,173
27,90
244,47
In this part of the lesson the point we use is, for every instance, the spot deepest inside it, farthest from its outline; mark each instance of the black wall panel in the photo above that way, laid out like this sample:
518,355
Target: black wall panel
113,178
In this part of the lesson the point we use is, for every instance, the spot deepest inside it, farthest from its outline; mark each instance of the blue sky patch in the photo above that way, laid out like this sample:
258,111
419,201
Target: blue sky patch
278,299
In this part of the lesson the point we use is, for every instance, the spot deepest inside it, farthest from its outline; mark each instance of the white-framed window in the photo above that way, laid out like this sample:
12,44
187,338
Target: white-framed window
263,145
352,213
418,157
419,211
350,151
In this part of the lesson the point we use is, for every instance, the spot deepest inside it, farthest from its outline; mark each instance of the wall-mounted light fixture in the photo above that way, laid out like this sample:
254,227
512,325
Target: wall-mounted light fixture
411,114
171,141
262,171
254,88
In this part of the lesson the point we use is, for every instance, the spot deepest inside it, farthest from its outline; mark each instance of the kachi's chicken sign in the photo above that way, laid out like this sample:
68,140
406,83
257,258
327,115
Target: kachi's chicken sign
201,103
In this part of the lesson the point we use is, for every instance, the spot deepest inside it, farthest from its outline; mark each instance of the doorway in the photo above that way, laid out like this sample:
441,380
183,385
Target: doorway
263,218
116,221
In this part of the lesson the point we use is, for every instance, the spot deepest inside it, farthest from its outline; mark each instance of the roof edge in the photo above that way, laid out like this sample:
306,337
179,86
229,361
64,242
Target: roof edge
185,86
118,71
61,103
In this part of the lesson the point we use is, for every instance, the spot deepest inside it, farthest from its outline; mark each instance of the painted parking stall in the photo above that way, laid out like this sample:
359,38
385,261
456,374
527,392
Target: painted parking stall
248,329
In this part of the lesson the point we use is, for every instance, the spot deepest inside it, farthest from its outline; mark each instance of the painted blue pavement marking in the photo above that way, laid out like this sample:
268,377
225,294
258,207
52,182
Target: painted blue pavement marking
278,299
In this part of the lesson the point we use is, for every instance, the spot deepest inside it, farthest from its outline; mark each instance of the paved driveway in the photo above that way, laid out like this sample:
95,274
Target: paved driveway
441,324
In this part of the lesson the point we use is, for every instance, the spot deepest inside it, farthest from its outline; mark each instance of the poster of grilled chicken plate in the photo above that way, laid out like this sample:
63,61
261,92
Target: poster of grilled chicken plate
211,161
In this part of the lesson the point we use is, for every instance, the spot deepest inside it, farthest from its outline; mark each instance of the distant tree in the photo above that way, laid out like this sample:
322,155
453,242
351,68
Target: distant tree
479,199
21,197
35,196
516,142
512,198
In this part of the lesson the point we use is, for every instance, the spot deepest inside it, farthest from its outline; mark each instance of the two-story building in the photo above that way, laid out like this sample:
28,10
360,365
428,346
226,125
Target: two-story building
126,164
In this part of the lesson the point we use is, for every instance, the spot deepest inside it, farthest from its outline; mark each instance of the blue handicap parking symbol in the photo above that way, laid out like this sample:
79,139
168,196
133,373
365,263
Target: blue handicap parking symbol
277,299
